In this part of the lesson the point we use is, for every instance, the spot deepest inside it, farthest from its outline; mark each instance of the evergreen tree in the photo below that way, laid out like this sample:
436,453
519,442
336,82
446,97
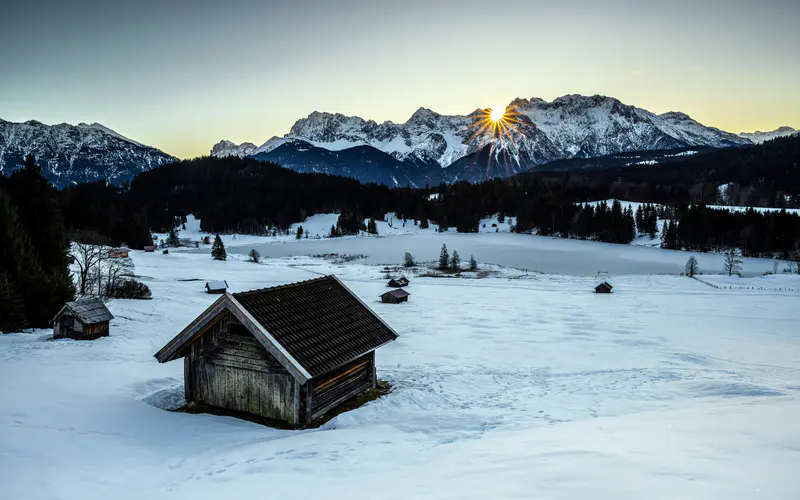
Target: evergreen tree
651,222
218,249
372,228
172,239
254,256
408,260
39,270
12,308
473,264
640,218
692,267
423,223
444,258
299,233
455,261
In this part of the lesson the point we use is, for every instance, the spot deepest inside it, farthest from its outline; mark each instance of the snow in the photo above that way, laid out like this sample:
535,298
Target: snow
564,128
519,385
495,245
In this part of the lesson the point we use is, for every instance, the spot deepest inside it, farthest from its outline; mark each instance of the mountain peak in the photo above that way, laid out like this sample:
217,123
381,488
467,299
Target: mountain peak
69,154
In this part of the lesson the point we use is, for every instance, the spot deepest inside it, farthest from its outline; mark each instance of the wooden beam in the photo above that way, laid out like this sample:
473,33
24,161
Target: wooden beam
170,351
296,406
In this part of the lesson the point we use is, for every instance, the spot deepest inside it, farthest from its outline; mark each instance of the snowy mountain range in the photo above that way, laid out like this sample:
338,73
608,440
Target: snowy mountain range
79,153
759,137
434,147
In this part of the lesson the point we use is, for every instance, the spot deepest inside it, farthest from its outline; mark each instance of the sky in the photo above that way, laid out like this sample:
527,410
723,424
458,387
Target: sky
181,75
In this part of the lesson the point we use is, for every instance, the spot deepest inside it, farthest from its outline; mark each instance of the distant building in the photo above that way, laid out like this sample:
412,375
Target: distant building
604,287
119,253
395,296
398,282
150,249
83,319
289,353
216,287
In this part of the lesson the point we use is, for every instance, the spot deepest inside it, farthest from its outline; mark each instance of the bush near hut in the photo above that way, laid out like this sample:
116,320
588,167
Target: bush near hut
129,288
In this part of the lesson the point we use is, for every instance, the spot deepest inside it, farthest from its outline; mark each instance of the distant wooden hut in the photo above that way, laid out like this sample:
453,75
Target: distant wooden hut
150,249
395,296
118,253
83,319
216,287
398,282
289,353
603,287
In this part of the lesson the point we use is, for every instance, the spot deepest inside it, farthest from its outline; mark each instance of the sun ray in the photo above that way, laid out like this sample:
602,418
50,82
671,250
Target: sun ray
496,128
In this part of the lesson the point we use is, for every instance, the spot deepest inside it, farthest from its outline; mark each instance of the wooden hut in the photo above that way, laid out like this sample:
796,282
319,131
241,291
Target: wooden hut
150,249
216,287
83,319
398,282
118,253
289,353
603,287
395,296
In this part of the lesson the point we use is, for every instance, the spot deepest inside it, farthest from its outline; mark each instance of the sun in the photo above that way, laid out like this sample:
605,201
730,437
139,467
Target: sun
497,114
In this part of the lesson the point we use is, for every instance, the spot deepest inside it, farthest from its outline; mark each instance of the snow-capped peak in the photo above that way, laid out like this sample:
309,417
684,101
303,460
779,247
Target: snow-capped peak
759,137
569,126
227,148
103,128
76,153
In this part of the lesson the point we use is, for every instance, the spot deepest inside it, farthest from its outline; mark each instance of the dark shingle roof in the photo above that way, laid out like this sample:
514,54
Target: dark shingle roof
319,322
88,310
399,293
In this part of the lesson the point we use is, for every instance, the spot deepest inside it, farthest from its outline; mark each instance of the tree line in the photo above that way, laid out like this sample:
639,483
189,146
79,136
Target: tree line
247,196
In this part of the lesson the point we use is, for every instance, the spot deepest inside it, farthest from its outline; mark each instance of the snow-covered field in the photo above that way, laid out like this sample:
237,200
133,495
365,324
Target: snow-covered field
513,386
496,245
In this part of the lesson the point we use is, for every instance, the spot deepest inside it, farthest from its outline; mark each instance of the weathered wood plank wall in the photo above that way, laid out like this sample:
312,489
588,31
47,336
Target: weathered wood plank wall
341,384
230,369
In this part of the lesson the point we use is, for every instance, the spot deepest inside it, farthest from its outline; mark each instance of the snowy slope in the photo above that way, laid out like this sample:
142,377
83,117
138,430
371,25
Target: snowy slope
759,137
503,388
76,153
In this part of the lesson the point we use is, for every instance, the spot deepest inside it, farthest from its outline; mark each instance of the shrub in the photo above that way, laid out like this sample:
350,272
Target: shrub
129,288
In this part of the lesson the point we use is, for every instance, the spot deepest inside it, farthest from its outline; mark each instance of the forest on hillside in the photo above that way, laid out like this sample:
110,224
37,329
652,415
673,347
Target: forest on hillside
248,196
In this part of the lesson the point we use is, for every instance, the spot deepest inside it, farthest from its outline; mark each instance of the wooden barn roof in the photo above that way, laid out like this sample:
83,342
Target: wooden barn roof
320,322
88,310
310,327
399,293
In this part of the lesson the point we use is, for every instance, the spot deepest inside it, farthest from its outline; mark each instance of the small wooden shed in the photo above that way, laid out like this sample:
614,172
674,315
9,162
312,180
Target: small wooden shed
119,253
398,282
150,248
216,287
395,296
603,287
83,319
289,353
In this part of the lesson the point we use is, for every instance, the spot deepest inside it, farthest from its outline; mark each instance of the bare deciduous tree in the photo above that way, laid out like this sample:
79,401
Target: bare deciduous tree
88,258
733,263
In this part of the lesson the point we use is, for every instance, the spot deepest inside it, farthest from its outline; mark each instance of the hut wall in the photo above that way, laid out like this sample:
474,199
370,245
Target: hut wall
230,369
335,387
94,331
